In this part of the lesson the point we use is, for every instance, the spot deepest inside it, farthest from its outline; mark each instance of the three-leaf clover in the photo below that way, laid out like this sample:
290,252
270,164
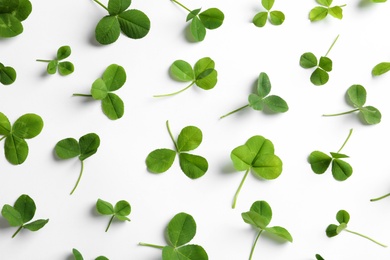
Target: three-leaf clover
7,75
114,77
78,256
343,217
320,75
259,216
275,17
22,212
12,13
133,23
256,155
69,148
262,99
203,74
194,166
121,210
211,19
357,95
64,67
25,127
320,12
180,231
320,162
381,68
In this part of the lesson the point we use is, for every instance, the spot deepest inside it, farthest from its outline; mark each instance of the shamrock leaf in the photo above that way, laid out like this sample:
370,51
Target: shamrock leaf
7,75
275,17
64,67
121,210
379,69
12,13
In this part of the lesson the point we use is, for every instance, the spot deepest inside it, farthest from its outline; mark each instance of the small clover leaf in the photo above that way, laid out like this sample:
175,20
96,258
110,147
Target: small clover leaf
320,12
121,210
320,162
193,166
260,100
22,212
180,231
259,216
64,67
12,13
84,148
319,257
275,17
357,95
7,75
114,77
78,256
203,74
379,69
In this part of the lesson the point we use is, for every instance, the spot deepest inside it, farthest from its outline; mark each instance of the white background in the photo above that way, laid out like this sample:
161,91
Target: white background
302,202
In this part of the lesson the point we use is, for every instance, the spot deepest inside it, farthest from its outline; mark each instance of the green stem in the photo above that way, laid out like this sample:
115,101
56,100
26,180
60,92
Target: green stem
382,197
82,95
254,244
109,223
170,134
17,231
239,188
102,5
79,178
332,45
376,242
346,140
234,111
344,5
44,60
151,245
174,93
182,5
344,113
3,138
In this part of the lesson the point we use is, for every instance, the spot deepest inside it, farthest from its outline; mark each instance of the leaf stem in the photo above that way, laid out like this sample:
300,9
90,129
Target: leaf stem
3,138
79,178
239,188
109,223
82,95
170,134
182,5
234,111
174,93
353,232
344,113
44,60
332,45
102,5
344,5
151,245
346,140
254,244
382,197
17,231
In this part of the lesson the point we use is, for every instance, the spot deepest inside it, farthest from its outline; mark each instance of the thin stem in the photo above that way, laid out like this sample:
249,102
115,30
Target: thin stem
109,223
102,5
3,138
78,180
382,197
82,95
332,45
254,244
344,5
346,140
234,111
151,245
344,113
17,231
44,60
376,242
170,134
182,5
174,93
239,188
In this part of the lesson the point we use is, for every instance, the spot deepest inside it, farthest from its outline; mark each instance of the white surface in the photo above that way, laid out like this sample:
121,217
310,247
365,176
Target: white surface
302,202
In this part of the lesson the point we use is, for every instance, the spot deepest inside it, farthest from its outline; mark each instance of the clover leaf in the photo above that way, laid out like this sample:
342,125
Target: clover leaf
203,74
319,257
21,213
84,148
78,256
343,218
25,127
320,12
275,17
133,23
12,14
262,99
64,67
320,162
121,210
193,166
7,75
180,231
320,75
357,95
259,216
381,68
256,156
114,77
